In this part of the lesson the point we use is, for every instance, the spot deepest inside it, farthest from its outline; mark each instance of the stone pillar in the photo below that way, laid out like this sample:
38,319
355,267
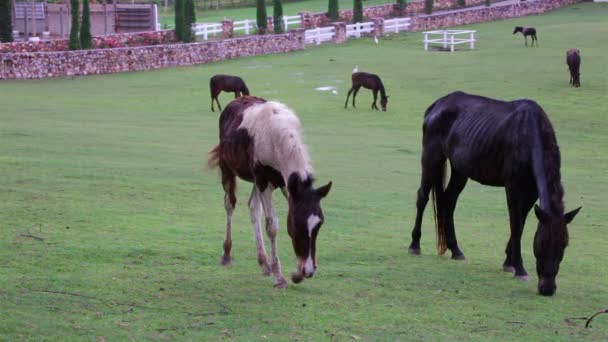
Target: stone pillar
269,24
340,32
378,27
227,28
299,36
306,18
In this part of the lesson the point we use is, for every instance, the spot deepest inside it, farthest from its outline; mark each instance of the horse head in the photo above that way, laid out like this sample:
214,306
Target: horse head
550,242
383,102
304,219
518,29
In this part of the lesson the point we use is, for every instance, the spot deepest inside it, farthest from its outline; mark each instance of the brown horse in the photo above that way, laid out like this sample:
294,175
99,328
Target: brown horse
573,59
369,81
496,143
227,83
261,142
527,31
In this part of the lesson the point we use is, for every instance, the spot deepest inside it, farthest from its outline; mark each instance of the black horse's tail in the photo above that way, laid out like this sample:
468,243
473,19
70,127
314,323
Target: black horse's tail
245,90
437,190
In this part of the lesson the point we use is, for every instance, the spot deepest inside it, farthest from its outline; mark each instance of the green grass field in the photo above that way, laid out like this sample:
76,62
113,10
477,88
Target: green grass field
110,172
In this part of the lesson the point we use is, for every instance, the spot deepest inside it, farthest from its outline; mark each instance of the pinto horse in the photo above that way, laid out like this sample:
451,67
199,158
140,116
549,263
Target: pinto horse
496,143
261,142
573,59
369,81
527,31
227,83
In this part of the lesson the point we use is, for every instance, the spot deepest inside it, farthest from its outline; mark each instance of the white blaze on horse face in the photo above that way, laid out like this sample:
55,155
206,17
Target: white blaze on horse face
313,220
309,265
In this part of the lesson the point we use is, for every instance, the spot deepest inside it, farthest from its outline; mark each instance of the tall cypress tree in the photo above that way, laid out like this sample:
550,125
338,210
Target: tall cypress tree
277,16
86,40
428,6
488,2
358,11
179,20
461,3
333,10
6,26
74,43
189,19
260,7
401,4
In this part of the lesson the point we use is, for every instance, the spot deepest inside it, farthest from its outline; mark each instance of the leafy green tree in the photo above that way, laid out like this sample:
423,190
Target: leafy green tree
6,26
179,20
260,7
86,40
428,6
401,4
358,11
277,16
74,43
488,2
189,19
461,3
333,10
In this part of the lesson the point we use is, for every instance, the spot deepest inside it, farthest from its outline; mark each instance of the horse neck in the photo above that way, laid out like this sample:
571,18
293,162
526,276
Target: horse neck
295,160
382,91
546,168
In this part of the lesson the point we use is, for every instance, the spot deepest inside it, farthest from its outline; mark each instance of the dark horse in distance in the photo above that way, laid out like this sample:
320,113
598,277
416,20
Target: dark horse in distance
573,59
527,31
227,83
496,143
369,81
261,142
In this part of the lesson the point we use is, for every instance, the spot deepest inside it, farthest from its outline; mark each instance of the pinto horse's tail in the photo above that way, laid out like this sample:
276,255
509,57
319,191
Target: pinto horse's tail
213,157
439,186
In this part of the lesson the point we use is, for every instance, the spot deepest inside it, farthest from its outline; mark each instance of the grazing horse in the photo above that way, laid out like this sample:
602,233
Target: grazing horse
496,143
227,83
573,59
261,142
369,81
527,31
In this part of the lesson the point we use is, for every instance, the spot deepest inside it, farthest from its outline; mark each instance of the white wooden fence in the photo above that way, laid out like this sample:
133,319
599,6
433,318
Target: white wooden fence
246,25
293,20
206,29
319,35
397,25
355,30
447,37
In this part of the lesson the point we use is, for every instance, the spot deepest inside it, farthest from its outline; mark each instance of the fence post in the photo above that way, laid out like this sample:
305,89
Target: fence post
227,28
445,39
378,26
339,32
472,37
452,43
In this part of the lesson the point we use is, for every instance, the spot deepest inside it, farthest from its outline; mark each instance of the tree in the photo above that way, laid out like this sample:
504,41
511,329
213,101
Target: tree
358,11
488,2
277,16
461,3
260,6
189,20
74,43
333,10
428,6
179,20
86,40
401,4
6,24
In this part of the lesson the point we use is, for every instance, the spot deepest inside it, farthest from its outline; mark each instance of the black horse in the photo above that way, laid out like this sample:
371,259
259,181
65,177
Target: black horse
573,59
369,81
496,143
527,31
227,83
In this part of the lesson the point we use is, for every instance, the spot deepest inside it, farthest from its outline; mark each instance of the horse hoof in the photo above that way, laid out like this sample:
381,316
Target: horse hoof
281,284
226,261
458,257
266,270
522,277
413,251
509,269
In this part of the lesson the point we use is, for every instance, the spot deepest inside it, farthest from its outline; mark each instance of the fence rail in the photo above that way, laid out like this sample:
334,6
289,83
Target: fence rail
319,35
206,29
355,30
291,20
245,25
397,25
22,7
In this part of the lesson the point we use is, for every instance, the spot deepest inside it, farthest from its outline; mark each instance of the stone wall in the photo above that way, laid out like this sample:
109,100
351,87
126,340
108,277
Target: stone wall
485,14
105,61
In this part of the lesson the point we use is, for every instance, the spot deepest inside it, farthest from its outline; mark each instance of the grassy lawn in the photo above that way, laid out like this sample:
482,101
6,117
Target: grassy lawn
291,8
109,171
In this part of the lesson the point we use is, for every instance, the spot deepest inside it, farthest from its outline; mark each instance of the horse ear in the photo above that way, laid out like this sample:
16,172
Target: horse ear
324,190
568,217
541,215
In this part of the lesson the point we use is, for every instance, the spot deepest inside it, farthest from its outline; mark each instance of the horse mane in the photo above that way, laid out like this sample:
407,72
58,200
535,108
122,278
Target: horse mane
277,136
552,164
382,91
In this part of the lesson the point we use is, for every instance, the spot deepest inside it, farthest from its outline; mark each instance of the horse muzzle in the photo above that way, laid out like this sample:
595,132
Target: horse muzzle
546,286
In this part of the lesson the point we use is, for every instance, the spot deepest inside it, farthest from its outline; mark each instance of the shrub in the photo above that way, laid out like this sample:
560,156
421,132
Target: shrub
6,27
358,11
428,6
179,20
277,16
85,28
461,3
260,7
488,2
189,19
74,43
333,10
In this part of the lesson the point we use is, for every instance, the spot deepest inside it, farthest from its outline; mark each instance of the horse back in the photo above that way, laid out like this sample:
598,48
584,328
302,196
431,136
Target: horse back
227,83
367,80
573,59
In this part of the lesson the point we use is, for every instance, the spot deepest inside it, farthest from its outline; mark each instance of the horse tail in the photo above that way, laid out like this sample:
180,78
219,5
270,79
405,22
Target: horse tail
438,186
213,157
245,90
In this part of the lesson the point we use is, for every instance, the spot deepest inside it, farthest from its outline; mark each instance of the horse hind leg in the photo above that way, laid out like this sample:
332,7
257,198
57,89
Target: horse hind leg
446,205
347,96
255,211
229,183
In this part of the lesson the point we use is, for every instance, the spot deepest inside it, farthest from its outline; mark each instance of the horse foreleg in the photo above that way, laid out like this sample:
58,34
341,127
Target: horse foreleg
519,201
347,96
255,211
212,99
229,183
218,104
526,40
272,228
236,94
355,95
536,40
374,106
